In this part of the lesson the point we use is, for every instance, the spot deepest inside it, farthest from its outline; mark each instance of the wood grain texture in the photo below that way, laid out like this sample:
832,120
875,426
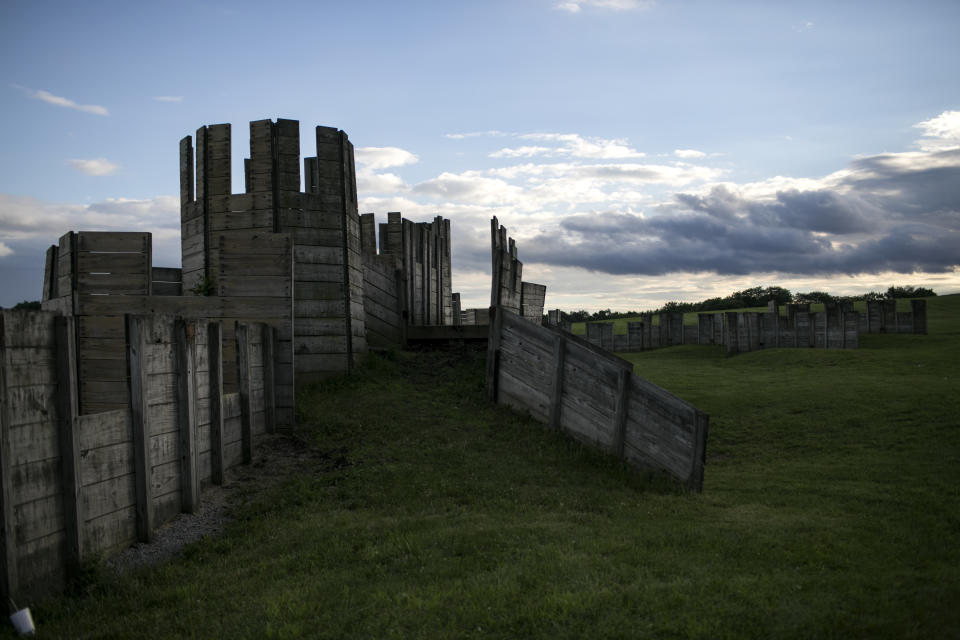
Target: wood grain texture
141,435
68,409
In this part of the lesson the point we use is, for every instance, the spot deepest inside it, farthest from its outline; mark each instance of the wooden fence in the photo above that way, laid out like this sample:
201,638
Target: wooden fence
570,384
837,327
73,485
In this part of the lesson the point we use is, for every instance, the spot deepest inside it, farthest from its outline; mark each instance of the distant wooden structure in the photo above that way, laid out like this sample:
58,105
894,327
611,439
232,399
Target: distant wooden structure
138,385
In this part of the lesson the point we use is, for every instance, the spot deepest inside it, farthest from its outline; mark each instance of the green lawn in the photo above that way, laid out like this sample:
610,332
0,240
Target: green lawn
830,508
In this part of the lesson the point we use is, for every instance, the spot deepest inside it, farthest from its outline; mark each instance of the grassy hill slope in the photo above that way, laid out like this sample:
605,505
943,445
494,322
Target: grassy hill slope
830,509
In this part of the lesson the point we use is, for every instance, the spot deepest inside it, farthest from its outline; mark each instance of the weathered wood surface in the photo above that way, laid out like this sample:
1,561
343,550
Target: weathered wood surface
67,414
140,427
565,381
186,349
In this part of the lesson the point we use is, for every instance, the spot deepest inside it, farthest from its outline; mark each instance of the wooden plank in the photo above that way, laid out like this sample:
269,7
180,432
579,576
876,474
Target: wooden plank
111,327
104,429
133,264
105,497
37,519
112,530
215,359
166,288
141,436
493,351
9,584
622,410
68,409
122,241
187,414
556,392
243,383
41,563
269,340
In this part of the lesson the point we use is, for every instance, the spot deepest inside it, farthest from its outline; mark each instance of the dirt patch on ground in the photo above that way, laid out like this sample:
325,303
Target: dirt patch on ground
276,457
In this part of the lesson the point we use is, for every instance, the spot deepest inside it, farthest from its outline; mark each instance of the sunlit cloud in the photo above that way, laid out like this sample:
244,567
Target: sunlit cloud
49,98
941,132
575,6
376,158
94,166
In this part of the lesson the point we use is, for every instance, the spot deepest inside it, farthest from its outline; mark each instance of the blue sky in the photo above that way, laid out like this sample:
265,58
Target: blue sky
639,151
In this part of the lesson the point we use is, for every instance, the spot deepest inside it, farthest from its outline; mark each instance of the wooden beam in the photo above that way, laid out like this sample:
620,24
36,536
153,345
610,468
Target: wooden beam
699,451
68,408
493,352
269,341
215,359
556,392
9,582
243,384
143,482
623,406
186,349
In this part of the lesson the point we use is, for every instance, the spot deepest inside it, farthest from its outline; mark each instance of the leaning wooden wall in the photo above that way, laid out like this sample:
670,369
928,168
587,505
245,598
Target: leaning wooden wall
591,394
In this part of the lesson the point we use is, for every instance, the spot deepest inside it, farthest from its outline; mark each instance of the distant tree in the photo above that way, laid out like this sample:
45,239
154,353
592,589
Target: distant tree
910,292
27,305
576,316
813,296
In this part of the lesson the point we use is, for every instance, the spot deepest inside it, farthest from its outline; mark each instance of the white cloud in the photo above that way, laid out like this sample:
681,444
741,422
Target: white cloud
806,25
25,218
60,101
375,158
941,132
493,133
168,98
689,153
521,152
570,144
574,6
368,182
5,250
469,187
94,166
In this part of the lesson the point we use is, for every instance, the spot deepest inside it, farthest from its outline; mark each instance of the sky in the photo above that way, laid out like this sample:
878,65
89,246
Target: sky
639,151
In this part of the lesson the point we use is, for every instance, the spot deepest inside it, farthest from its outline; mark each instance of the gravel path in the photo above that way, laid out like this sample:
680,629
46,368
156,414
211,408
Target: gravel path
276,457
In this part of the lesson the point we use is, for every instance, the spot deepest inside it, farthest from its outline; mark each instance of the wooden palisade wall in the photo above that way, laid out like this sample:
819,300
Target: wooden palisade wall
74,485
572,385
508,290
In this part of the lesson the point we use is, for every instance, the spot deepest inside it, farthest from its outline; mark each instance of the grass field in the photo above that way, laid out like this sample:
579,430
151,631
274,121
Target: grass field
830,508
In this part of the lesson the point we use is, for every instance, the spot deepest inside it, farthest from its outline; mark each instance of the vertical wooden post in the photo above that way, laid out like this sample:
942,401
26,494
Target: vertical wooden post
919,316
215,358
69,435
556,390
185,337
623,408
493,353
243,383
701,425
269,338
402,305
143,481
9,575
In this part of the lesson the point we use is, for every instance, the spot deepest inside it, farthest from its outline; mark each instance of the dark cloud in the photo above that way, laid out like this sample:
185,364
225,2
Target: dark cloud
894,212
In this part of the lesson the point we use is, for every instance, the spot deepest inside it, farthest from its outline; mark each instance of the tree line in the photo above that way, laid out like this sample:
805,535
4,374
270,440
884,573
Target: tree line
752,297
